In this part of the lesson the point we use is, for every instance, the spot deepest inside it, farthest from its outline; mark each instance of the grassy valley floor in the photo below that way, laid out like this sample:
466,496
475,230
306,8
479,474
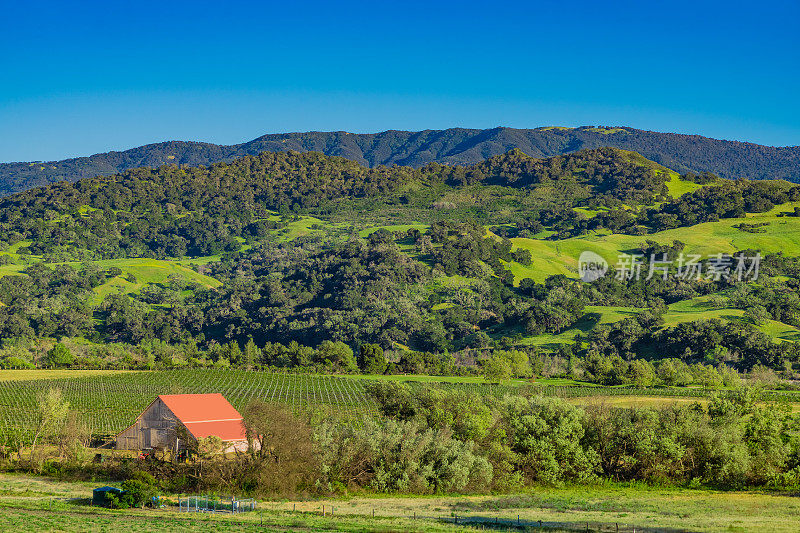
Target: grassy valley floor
41,504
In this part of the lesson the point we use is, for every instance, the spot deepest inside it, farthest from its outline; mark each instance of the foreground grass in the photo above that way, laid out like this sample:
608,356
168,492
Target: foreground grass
40,504
574,507
69,517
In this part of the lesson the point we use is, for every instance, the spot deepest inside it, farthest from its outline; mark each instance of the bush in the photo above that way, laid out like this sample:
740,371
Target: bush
544,437
138,491
395,456
60,356
15,362
371,359
496,368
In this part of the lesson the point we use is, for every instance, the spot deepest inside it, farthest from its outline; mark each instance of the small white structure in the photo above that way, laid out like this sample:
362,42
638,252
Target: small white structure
201,415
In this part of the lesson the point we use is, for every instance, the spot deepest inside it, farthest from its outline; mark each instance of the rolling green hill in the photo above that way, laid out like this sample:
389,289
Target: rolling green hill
288,251
561,257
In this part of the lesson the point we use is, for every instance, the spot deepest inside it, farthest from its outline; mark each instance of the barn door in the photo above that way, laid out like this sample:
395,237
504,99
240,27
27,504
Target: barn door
155,440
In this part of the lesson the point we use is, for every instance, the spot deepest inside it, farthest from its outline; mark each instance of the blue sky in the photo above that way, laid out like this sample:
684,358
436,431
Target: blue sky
90,77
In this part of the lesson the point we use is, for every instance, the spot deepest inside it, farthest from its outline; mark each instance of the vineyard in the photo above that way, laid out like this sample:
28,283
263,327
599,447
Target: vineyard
110,403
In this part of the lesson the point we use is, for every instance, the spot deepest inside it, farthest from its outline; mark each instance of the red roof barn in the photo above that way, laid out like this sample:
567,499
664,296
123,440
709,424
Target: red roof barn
202,415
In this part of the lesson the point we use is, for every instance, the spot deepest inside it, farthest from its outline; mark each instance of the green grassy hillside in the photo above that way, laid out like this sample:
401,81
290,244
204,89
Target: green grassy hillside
709,238
286,248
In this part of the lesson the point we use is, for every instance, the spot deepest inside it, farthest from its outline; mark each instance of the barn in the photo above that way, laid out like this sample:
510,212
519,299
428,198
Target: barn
200,415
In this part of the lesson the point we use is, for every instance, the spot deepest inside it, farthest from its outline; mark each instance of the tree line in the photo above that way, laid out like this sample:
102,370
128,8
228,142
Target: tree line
439,440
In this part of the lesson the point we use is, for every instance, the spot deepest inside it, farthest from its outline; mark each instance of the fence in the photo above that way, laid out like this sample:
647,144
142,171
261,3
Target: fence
211,504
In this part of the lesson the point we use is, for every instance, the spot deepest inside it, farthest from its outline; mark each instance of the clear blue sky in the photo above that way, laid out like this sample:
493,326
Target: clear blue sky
90,77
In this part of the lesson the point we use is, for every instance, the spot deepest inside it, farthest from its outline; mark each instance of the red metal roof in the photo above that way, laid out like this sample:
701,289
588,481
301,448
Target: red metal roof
227,430
206,414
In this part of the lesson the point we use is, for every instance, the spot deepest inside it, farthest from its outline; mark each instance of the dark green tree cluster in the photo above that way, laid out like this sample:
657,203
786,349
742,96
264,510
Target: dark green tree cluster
605,172
49,301
729,200
707,341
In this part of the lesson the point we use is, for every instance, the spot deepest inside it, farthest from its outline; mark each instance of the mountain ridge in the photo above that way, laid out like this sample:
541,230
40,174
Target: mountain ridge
460,146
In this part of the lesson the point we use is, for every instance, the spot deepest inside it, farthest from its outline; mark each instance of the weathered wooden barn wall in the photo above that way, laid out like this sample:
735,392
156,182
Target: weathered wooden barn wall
155,428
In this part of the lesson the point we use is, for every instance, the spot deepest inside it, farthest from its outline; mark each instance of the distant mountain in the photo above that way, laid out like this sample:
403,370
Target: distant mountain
730,159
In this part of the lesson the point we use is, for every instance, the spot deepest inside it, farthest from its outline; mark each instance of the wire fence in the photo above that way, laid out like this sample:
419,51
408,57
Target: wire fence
213,504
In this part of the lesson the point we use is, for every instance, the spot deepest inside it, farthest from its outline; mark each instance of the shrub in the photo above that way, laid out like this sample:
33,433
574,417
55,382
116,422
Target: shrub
138,491
60,356
15,362
371,359
395,456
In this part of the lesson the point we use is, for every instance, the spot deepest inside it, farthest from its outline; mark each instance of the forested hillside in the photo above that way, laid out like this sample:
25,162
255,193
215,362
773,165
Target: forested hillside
680,152
302,260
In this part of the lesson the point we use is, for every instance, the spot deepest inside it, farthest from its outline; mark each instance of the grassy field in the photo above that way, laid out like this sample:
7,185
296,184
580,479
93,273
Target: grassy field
710,238
700,308
17,260
42,504
678,187
137,273
595,315
25,375
571,508
607,131
651,402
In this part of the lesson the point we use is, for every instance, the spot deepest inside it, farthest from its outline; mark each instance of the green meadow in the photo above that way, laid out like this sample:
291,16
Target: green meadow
782,234
137,273
30,503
